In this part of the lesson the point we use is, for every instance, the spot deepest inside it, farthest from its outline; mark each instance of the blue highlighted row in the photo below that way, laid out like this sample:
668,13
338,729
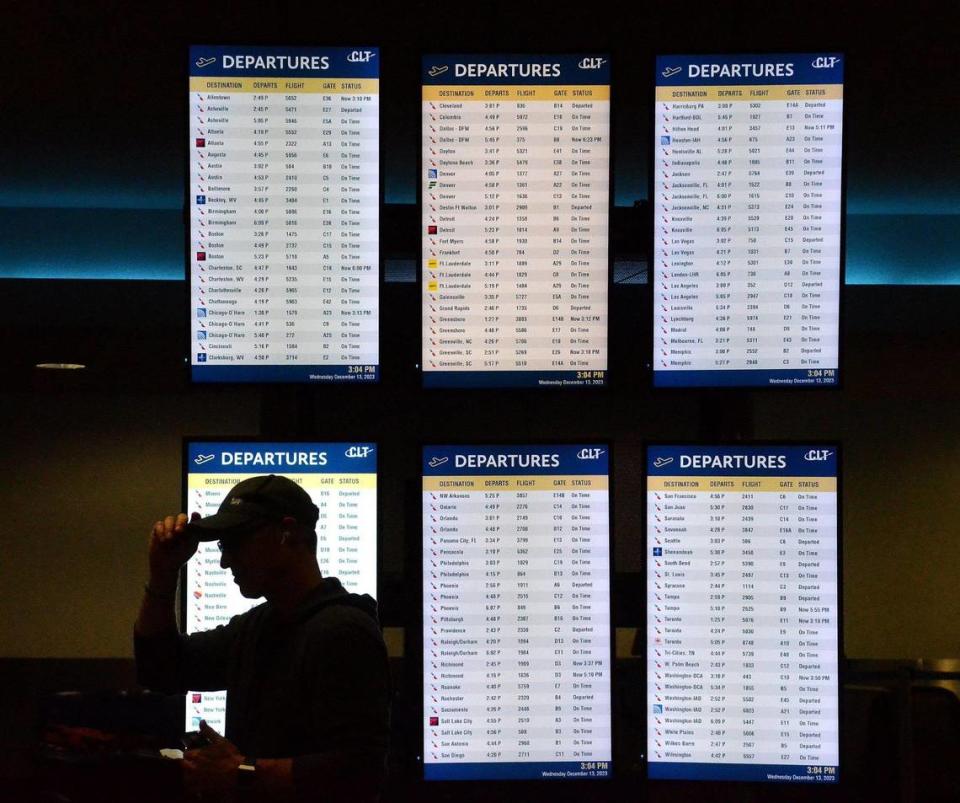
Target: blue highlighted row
299,374
770,773
513,379
516,771
796,377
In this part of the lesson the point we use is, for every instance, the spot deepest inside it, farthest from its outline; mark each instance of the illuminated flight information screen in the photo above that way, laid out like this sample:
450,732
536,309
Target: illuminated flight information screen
515,196
341,479
516,612
748,212
743,612
284,214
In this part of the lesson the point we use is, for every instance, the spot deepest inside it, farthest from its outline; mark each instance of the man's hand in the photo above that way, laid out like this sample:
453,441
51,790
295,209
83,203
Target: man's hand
211,770
170,548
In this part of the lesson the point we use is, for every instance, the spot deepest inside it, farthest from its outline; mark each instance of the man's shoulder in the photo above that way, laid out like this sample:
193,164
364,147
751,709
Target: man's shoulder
242,622
349,614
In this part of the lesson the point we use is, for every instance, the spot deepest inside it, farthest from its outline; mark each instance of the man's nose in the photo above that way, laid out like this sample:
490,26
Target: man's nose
224,561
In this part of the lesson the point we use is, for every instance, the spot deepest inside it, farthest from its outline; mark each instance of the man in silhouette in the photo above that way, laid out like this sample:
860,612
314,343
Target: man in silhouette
305,671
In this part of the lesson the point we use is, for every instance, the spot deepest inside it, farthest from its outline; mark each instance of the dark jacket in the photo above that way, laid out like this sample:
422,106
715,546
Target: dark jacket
314,688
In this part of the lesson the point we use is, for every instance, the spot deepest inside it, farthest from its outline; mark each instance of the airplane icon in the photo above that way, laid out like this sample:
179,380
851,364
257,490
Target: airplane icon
669,72
205,62
201,459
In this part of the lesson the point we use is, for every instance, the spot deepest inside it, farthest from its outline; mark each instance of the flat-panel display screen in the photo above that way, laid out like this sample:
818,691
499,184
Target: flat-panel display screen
515,197
516,612
748,213
284,208
341,479
743,612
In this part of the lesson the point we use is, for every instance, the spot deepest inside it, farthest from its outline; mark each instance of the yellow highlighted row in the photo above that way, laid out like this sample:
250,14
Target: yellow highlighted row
310,482
712,94
512,94
741,485
290,86
511,484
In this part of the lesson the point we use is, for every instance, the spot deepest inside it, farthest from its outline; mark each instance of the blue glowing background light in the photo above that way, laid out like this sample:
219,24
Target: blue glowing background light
74,234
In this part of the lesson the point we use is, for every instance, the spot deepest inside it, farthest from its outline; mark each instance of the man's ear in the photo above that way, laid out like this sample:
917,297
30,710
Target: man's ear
287,526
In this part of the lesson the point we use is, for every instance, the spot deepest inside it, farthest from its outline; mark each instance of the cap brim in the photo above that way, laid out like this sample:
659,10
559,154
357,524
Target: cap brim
223,525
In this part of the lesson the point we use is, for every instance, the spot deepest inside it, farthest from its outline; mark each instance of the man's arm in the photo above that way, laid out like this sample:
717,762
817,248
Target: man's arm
349,708
170,548
156,638
215,769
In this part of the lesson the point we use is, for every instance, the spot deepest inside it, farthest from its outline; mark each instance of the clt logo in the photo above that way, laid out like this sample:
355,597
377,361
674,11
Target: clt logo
358,451
589,454
204,62
201,459
361,56
437,461
588,63
825,62
817,455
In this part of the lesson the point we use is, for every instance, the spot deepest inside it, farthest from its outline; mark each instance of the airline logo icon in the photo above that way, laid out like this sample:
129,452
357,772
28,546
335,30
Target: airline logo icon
817,455
361,56
204,62
825,62
358,451
202,459
669,72
589,454
588,63
438,461
660,462
434,71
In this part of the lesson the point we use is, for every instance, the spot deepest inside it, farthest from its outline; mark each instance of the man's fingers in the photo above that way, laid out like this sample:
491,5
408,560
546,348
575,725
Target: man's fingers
209,732
170,527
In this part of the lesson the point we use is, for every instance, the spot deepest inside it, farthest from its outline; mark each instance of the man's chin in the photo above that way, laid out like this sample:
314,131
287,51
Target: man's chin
246,591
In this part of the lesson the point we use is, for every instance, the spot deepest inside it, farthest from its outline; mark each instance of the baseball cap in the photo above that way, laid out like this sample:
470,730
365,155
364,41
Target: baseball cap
254,502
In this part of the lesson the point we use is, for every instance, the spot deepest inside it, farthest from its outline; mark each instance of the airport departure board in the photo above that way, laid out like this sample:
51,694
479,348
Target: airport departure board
284,202
743,613
747,191
515,196
516,612
341,479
